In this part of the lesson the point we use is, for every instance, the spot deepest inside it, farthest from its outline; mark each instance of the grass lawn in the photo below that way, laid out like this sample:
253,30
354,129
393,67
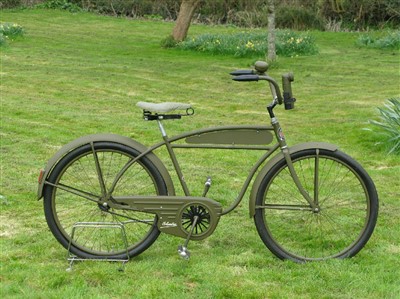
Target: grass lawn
78,74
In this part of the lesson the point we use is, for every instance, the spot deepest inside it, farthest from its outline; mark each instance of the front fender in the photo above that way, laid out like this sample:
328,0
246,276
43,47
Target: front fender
104,137
263,172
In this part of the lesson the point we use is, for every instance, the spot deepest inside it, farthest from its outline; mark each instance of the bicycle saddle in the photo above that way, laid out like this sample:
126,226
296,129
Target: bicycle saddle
163,107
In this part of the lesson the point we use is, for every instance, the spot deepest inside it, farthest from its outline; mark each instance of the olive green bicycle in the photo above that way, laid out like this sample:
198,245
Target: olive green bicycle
309,201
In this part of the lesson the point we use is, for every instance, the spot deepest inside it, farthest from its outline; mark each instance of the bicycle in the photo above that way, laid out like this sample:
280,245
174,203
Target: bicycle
309,202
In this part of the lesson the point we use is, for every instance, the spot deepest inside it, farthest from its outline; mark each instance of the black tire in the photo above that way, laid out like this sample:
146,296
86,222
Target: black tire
344,221
64,208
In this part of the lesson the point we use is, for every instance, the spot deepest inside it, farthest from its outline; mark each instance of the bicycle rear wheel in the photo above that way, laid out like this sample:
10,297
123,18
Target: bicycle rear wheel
344,194
73,187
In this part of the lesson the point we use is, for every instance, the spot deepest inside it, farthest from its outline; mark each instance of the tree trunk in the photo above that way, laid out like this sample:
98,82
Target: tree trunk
271,31
185,15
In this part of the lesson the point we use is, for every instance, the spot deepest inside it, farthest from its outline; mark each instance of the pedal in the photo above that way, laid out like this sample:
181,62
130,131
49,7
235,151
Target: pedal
207,186
183,252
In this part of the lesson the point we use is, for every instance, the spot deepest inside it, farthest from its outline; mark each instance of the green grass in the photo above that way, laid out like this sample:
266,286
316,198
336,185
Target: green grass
77,74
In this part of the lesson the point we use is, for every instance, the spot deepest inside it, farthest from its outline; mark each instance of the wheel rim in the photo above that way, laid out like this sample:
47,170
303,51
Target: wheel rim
337,224
69,208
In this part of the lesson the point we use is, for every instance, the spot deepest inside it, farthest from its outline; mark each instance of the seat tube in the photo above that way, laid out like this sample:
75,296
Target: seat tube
173,159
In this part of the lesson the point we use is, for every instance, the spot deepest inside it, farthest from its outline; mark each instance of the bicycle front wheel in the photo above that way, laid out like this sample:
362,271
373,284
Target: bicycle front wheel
80,180
346,201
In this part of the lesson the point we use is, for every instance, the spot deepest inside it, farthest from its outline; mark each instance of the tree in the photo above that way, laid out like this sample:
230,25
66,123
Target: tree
185,15
271,56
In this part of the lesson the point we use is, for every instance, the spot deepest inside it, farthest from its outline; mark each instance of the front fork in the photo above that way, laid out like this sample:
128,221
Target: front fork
285,151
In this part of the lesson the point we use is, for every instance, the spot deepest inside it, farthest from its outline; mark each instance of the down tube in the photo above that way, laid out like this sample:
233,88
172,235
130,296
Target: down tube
246,184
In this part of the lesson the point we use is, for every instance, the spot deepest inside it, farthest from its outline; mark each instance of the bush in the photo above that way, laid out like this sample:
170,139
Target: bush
247,44
169,42
390,40
293,14
292,44
60,4
9,31
3,40
18,3
389,125
298,18
361,14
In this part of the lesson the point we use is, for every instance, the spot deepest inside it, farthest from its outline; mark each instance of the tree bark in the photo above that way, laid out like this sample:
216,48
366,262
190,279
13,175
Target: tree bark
271,31
185,15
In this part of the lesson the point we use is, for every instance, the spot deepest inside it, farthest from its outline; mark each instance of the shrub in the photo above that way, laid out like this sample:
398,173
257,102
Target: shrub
247,44
3,40
291,44
169,42
389,124
9,31
298,18
391,40
60,4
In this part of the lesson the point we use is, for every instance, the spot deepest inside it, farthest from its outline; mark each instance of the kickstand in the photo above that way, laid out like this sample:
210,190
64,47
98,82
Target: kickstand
182,249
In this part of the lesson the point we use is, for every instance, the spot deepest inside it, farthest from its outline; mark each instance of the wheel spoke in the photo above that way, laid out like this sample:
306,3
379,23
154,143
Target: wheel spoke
316,179
75,191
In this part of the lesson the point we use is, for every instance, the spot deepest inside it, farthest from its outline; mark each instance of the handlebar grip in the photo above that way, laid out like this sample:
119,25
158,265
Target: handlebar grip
246,78
242,72
287,91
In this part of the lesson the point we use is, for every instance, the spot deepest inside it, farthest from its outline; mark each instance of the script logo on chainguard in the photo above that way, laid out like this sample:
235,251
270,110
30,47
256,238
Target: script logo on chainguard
166,224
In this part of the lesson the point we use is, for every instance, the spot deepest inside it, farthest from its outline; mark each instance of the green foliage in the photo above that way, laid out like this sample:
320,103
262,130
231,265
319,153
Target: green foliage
292,14
390,40
251,43
298,18
9,31
389,125
292,44
361,14
60,4
168,42
3,40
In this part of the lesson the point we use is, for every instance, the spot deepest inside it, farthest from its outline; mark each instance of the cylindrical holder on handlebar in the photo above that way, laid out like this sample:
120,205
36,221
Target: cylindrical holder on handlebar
287,91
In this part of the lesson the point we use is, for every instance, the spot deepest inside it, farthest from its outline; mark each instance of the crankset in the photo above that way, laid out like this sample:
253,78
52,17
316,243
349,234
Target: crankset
176,214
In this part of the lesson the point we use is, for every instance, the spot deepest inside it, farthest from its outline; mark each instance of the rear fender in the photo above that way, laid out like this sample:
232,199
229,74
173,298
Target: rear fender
263,172
103,137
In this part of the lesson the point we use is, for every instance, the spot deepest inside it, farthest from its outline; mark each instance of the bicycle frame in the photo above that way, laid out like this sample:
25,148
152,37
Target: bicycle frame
243,137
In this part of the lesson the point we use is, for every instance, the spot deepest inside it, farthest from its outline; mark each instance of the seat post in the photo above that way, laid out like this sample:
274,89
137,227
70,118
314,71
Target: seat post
161,127
173,158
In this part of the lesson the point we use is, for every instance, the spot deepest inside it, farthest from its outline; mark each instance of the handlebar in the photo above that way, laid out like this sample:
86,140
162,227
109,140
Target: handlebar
259,74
